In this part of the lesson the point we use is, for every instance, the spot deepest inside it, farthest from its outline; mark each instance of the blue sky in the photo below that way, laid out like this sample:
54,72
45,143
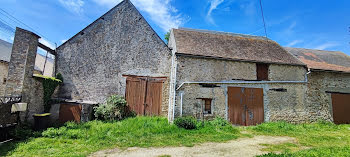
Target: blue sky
321,24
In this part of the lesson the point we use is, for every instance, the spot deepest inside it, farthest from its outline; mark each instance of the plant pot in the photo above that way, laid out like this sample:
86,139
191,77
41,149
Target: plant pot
41,121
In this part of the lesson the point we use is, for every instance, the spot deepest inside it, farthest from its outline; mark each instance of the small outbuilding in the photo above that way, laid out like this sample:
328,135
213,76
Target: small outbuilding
328,87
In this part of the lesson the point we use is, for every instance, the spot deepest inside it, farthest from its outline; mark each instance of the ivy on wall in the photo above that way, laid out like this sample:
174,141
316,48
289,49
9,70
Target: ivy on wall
49,85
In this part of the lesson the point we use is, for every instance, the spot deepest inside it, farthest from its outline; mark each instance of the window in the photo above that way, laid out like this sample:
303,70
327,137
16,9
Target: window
262,72
206,105
4,81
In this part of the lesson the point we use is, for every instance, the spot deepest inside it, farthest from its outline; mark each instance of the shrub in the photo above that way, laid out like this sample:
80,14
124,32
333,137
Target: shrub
116,108
219,122
186,123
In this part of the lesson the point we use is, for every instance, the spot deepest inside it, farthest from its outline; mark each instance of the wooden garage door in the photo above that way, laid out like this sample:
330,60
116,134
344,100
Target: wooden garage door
341,108
70,112
245,106
144,94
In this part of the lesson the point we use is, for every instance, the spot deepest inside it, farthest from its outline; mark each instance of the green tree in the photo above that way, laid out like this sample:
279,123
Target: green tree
167,35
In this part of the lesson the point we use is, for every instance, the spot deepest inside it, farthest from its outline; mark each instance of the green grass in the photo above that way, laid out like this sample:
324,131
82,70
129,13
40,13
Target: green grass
316,139
83,139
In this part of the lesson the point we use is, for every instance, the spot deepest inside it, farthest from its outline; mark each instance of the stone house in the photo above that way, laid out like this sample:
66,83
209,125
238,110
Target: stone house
245,79
328,87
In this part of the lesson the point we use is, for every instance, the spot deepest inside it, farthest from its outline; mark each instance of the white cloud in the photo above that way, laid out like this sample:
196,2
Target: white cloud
325,46
294,43
109,3
74,6
63,41
161,12
213,5
47,43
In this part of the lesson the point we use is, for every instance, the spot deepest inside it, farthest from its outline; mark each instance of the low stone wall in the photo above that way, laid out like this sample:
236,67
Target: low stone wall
34,97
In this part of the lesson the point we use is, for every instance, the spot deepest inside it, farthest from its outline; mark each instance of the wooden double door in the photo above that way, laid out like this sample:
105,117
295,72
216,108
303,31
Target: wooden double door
144,94
245,106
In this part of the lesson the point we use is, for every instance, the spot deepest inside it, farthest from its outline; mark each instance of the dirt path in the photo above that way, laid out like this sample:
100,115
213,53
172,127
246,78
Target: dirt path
241,148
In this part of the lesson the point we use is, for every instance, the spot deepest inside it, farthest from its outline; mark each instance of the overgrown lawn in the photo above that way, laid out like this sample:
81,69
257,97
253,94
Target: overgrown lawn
83,139
316,139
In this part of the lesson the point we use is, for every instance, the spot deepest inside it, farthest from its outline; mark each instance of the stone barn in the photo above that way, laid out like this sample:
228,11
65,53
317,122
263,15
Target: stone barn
245,79
328,87
119,53
242,78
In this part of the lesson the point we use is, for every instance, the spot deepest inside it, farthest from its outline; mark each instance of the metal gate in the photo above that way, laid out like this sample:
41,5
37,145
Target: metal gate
341,108
245,106
144,94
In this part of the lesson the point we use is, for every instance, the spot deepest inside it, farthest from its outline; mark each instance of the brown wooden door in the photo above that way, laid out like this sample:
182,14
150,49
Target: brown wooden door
135,93
144,94
70,112
153,96
341,108
245,106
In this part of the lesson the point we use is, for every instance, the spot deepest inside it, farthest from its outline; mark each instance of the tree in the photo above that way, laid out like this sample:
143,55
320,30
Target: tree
167,35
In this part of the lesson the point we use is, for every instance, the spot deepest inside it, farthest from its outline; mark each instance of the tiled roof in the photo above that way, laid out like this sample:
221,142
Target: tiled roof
322,60
231,46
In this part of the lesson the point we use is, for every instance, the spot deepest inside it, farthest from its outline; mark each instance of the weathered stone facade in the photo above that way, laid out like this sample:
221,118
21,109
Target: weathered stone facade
95,61
278,105
319,89
3,77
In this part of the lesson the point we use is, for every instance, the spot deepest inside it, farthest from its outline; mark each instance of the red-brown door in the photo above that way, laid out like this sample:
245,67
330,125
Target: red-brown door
144,94
341,108
70,112
245,106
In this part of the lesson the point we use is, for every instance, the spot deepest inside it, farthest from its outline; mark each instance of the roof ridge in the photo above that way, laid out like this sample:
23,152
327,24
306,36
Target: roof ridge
312,49
224,33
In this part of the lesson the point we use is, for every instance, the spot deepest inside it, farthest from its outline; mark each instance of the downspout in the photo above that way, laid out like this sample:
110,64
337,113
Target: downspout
174,95
181,96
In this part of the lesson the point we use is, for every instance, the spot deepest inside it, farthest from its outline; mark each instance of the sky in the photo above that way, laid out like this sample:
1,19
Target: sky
314,24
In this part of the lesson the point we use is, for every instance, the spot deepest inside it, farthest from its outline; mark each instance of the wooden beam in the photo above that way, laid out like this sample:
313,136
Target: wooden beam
53,52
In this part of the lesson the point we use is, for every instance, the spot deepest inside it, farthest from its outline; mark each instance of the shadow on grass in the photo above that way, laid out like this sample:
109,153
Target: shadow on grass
8,147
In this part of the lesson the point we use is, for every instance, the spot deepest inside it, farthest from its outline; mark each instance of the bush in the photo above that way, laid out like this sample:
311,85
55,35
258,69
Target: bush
186,123
219,122
116,108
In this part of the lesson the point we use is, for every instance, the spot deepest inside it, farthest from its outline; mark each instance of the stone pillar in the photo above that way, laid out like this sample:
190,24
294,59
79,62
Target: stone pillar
20,73
21,66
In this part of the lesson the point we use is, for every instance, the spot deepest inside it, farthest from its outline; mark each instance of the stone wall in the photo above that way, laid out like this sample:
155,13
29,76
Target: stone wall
201,69
119,43
319,101
278,105
3,77
34,98
286,73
